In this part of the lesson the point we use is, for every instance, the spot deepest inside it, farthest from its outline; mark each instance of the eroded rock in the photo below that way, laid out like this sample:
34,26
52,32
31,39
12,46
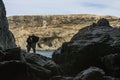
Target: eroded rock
92,73
103,22
6,37
16,64
87,47
112,64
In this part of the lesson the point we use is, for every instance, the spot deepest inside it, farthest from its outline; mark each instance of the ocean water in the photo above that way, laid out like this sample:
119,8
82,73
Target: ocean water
46,53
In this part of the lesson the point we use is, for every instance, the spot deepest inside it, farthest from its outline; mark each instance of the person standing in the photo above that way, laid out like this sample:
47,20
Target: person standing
31,43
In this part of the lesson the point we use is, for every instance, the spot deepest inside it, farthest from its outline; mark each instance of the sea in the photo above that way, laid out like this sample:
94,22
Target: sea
45,53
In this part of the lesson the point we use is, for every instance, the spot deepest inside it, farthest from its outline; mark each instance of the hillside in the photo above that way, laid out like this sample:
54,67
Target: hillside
53,30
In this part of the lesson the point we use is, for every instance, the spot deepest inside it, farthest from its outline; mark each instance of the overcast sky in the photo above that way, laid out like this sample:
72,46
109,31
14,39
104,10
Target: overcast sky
37,7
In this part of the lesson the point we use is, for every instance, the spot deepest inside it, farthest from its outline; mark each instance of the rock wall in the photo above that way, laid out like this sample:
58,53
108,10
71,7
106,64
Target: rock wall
6,37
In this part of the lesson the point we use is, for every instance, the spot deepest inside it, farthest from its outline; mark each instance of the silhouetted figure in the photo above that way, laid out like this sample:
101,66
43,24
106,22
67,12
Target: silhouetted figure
31,43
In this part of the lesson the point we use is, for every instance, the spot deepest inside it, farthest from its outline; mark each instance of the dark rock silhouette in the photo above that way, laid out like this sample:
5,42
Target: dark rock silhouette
92,73
19,65
103,22
6,37
88,47
112,64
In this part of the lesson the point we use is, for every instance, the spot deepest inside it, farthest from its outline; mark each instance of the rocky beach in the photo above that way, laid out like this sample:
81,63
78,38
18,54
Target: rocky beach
89,53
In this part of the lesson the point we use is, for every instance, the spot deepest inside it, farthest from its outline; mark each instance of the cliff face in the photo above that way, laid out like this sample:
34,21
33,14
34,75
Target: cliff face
58,20
53,30
6,37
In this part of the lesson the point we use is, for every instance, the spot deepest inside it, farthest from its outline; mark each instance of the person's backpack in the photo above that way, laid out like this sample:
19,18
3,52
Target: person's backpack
35,39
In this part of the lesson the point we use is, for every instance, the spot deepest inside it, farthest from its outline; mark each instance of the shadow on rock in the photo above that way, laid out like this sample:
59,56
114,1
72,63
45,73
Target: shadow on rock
88,47
16,64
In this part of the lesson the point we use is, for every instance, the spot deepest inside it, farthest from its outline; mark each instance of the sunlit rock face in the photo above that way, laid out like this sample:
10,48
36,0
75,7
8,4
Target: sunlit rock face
6,37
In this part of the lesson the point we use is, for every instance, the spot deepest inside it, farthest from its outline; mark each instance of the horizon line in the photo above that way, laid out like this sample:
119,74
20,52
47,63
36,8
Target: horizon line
61,14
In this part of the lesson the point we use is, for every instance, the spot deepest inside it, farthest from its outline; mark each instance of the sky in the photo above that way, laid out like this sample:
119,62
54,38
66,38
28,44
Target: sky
52,7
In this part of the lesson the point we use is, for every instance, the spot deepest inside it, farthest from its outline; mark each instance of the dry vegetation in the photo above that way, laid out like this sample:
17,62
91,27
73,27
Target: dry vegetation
65,33
59,28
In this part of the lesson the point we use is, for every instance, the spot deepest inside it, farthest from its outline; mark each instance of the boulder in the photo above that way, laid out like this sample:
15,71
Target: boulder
16,64
13,65
92,73
112,65
56,57
12,54
14,70
77,56
42,61
87,47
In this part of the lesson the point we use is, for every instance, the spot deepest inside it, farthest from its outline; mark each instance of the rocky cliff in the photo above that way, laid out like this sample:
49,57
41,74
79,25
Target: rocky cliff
58,20
6,37
53,30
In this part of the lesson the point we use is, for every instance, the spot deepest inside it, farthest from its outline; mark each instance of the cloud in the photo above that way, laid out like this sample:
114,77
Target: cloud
94,5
